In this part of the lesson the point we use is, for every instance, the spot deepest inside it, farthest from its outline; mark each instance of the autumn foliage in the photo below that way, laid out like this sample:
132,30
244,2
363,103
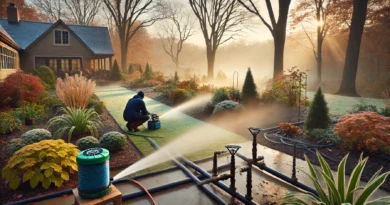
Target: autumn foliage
289,129
20,86
365,131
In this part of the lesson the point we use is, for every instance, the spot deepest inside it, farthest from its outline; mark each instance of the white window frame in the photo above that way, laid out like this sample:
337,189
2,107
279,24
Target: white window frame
9,58
62,38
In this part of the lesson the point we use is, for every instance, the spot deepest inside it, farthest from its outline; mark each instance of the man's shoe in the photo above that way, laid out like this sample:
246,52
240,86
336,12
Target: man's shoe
129,127
134,126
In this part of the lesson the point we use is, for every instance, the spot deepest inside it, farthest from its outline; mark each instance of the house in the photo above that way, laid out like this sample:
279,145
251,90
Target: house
63,47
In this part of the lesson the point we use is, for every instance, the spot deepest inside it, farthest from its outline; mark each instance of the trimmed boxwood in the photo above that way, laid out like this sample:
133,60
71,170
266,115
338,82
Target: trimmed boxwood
113,141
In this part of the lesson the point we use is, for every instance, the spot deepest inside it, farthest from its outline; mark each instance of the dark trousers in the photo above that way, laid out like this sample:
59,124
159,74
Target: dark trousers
137,118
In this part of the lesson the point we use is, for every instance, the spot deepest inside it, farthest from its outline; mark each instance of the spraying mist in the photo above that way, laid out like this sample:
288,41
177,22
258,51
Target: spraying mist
194,140
200,100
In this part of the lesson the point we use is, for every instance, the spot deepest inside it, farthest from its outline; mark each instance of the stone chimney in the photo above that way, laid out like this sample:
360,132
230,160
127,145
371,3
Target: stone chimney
12,13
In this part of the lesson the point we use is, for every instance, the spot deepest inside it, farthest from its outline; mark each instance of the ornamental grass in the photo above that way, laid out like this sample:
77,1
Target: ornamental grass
75,91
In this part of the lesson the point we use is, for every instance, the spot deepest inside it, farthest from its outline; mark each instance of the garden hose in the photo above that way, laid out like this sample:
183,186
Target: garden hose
144,189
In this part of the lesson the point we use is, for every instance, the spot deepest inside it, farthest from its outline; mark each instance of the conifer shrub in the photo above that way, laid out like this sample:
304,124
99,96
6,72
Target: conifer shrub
20,86
323,136
318,116
179,95
113,141
176,78
87,142
148,74
249,89
46,75
115,72
365,131
9,123
35,135
45,162
220,95
226,105
221,75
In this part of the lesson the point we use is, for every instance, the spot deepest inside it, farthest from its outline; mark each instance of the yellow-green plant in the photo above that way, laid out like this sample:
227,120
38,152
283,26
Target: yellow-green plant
48,161
75,91
337,191
75,121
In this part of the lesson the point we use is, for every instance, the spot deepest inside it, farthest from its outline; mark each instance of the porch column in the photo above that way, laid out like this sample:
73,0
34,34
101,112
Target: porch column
110,62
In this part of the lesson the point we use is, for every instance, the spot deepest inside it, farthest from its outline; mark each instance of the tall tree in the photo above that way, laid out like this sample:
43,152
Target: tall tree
176,31
220,21
74,11
82,11
309,12
52,10
126,15
277,27
348,84
26,12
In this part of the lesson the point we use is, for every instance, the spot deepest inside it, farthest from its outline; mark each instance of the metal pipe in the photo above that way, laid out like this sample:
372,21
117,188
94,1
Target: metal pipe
248,171
193,177
233,173
165,186
215,162
219,184
294,174
281,176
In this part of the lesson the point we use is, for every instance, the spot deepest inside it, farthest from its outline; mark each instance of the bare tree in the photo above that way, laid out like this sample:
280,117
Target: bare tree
176,31
276,27
126,15
313,12
53,10
82,11
220,21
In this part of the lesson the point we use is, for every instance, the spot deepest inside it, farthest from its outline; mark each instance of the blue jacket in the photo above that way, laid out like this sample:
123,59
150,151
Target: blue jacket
135,106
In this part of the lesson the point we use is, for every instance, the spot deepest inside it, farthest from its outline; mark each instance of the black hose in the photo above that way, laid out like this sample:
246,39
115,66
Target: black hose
219,184
193,177
281,176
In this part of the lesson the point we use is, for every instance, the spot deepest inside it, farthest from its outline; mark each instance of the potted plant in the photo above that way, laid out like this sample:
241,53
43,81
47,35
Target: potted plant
32,112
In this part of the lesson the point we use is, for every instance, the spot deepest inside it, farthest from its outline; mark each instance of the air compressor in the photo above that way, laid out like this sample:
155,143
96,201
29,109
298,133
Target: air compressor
154,122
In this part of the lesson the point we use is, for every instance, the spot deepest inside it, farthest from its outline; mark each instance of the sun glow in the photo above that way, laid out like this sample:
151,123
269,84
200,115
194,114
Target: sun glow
320,23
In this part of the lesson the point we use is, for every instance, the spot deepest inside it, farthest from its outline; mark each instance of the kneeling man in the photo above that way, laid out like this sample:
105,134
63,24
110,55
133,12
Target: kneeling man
135,112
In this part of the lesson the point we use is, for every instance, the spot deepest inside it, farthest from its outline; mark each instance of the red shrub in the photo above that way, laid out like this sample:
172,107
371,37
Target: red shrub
20,83
367,131
179,95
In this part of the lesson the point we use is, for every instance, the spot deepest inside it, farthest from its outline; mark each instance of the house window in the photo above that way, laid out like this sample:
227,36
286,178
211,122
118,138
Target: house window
8,58
65,65
61,37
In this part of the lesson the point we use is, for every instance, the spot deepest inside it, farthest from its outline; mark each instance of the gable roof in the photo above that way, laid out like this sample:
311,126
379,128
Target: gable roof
25,33
4,36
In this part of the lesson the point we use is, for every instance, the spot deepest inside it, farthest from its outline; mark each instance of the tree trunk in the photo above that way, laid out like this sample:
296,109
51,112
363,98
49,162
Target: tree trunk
177,65
319,43
348,83
319,60
279,41
210,63
123,56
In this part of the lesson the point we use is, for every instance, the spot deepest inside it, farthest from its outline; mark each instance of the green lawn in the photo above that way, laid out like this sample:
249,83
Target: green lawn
341,105
116,97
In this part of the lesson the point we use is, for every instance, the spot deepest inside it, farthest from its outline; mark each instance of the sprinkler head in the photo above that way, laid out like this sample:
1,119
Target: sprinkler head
254,131
232,149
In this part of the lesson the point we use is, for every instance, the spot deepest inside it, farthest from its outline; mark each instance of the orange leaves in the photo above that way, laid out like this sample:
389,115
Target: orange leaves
289,129
365,131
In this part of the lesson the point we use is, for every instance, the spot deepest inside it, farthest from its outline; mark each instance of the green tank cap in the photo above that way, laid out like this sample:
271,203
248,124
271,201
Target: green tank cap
93,156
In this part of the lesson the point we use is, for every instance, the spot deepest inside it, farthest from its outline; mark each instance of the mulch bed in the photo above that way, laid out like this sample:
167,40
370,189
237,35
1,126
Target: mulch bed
120,159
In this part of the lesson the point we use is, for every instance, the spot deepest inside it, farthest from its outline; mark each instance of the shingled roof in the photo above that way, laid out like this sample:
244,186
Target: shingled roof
24,33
